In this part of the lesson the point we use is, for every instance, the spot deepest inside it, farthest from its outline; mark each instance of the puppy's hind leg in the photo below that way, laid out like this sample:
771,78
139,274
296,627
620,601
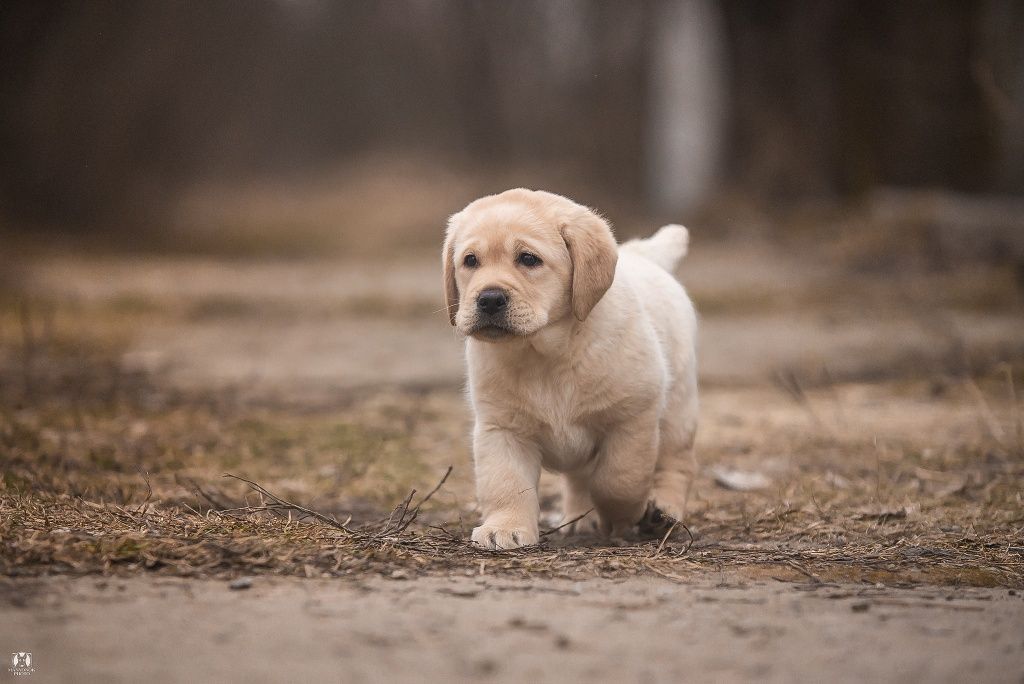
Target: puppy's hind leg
576,502
623,473
676,467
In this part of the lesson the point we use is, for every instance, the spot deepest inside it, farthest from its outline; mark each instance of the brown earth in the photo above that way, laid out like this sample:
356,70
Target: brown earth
877,409
717,627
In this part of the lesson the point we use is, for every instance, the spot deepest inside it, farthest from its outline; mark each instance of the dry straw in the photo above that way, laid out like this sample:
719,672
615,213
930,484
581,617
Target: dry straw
63,534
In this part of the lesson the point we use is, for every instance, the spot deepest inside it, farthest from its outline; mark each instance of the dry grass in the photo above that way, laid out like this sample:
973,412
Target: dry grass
45,534
88,510
110,471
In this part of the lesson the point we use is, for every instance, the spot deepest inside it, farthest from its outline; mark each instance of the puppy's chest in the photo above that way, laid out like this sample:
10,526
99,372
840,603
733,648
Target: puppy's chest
560,417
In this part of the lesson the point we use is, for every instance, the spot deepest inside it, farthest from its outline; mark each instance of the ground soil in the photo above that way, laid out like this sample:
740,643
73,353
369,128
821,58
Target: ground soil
720,628
879,409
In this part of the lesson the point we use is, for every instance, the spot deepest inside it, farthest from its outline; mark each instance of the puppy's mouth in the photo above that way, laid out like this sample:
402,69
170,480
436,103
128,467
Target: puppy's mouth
491,331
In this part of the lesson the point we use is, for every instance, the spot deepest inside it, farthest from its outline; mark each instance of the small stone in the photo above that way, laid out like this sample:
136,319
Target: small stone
240,584
399,574
487,667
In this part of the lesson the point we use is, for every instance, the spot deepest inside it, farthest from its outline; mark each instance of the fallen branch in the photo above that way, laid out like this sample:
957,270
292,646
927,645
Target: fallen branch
402,523
566,524
288,505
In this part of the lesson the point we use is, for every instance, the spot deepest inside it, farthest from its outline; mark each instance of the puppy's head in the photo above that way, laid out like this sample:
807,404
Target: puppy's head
517,261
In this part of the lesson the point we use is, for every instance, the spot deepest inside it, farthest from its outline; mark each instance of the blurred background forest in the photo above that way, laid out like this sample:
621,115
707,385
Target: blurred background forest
220,231
361,125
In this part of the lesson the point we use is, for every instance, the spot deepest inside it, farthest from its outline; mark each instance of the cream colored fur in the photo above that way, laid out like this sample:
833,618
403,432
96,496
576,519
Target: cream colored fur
593,374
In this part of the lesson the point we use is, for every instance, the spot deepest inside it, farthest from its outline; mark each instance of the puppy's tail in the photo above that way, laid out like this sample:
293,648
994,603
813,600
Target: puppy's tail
666,248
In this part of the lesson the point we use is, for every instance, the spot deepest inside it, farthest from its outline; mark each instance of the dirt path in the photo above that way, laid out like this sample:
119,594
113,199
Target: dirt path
893,478
719,628
275,326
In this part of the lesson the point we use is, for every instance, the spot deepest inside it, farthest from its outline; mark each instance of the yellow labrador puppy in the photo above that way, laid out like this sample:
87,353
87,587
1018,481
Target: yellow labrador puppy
582,361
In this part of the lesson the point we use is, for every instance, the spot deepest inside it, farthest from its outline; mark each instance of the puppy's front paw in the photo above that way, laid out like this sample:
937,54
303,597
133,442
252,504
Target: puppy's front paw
494,537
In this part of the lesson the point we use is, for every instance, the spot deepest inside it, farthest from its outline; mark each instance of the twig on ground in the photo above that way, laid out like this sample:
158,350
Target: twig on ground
289,505
202,493
664,539
403,507
566,524
804,571
690,542
149,493
416,510
666,575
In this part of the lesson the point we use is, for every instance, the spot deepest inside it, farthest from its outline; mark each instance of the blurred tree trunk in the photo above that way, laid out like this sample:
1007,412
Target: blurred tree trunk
833,97
998,71
685,132
109,108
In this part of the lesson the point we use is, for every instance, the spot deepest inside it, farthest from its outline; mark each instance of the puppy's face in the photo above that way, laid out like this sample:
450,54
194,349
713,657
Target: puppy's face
515,262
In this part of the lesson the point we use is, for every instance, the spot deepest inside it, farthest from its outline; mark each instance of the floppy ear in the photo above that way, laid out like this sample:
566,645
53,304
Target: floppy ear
451,290
594,253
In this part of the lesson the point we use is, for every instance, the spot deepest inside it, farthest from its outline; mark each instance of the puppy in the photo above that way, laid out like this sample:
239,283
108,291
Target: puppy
581,358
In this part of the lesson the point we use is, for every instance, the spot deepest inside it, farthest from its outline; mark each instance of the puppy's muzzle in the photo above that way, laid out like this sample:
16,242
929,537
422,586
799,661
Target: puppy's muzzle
492,314
492,303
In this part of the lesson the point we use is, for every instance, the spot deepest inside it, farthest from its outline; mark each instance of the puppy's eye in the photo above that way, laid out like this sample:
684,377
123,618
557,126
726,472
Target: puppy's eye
529,260
470,261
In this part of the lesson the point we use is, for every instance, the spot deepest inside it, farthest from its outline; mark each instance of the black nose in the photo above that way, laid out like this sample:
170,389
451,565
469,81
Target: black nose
492,301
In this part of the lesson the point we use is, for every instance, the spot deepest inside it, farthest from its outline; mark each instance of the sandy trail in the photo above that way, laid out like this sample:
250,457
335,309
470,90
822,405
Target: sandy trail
285,326
720,628
299,329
